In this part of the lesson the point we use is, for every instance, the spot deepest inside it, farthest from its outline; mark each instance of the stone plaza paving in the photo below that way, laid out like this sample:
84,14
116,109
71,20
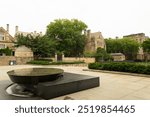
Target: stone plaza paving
112,86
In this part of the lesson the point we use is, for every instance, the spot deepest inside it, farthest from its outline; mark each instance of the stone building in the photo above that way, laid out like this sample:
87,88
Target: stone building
118,56
140,38
94,40
6,40
23,55
18,32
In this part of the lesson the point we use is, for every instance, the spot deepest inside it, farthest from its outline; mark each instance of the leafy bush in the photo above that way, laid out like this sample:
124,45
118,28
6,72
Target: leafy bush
39,62
122,67
49,60
6,51
61,63
46,62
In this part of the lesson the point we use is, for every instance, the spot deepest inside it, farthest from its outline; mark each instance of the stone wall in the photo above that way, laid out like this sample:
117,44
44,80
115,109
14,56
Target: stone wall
5,60
74,59
23,60
23,52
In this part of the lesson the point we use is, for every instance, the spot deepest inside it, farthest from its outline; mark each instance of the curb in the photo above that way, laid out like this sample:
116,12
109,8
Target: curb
115,72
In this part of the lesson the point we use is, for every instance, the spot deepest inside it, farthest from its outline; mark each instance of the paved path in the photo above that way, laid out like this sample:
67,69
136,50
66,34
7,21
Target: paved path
112,86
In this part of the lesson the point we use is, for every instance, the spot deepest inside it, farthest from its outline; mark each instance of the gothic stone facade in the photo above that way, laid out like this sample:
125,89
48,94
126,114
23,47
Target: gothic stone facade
94,41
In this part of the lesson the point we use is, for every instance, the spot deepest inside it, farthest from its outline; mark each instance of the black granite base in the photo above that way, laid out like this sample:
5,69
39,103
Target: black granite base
70,83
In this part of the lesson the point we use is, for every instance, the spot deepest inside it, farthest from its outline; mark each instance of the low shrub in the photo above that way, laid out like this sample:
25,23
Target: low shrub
122,67
61,63
39,62
46,62
49,60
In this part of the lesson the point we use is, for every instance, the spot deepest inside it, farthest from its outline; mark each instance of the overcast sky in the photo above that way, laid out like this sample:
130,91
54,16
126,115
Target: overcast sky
111,17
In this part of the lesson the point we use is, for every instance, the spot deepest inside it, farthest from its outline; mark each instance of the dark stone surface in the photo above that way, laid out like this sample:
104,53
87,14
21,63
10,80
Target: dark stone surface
4,96
34,75
70,83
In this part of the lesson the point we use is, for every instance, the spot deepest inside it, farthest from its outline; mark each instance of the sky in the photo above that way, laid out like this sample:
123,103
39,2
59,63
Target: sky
111,17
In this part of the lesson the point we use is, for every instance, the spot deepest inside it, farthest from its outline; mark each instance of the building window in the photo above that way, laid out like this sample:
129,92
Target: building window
1,37
2,46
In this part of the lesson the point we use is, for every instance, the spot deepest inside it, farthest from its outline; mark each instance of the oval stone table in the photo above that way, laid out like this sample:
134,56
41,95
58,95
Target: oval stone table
25,80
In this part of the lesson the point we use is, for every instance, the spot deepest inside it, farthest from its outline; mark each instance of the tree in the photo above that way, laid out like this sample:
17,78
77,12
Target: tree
130,48
127,46
41,46
113,45
146,48
69,36
102,55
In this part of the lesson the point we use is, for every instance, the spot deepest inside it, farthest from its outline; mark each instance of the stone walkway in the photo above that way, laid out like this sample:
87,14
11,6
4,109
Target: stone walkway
112,86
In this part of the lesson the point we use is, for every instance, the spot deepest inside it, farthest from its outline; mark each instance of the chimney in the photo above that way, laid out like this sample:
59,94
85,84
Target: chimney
7,28
40,33
16,29
89,33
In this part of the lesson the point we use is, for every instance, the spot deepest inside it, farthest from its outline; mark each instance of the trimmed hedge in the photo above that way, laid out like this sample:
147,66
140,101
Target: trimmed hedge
45,62
121,67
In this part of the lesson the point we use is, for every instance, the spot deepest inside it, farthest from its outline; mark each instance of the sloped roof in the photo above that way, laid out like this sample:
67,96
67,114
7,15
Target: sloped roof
3,30
97,35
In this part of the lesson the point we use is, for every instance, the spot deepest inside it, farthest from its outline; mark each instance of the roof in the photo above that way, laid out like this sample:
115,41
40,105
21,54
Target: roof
97,34
141,34
10,37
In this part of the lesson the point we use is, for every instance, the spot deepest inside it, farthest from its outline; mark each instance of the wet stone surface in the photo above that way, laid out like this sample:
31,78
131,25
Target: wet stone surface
34,75
35,71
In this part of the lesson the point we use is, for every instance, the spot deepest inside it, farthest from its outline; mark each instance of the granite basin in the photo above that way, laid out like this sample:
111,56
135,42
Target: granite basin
32,76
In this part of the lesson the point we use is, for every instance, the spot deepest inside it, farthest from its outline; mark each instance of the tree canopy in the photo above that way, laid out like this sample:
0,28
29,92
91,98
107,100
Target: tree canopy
127,46
101,55
146,48
41,46
69,36
146,45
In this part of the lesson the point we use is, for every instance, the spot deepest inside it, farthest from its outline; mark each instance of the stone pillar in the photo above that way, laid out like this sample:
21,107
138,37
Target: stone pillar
63,56
55,57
